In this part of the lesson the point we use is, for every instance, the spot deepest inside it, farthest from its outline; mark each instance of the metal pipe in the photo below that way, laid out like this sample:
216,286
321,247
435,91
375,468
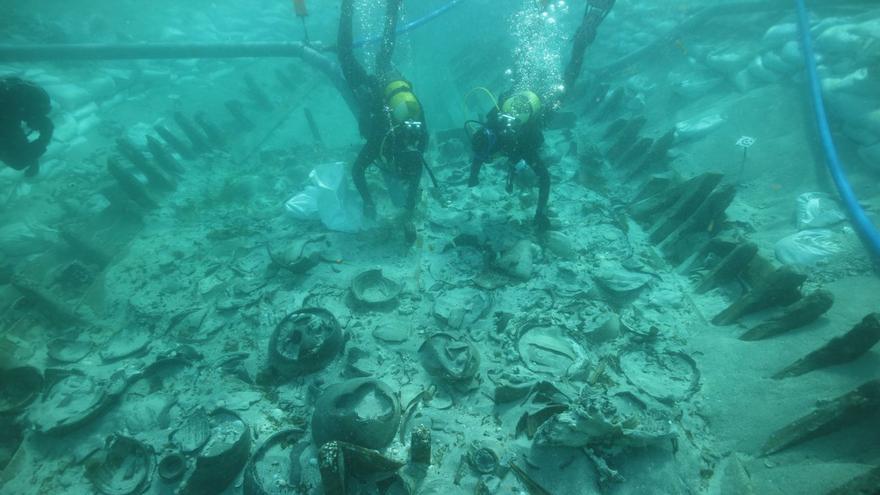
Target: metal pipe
94,51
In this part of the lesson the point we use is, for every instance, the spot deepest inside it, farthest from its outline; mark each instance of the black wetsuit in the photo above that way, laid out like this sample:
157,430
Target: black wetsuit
400,147
517,143
22,102
593,16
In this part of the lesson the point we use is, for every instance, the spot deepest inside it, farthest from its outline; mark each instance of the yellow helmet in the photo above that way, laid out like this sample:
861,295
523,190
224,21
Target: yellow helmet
404,106
522,106
396,87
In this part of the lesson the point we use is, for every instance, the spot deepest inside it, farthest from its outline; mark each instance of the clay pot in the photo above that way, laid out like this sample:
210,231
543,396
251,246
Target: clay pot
304,342
362,411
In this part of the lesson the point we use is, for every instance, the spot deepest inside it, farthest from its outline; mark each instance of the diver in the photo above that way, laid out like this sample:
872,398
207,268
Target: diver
514,130
24,108
594,14
514,127
389,116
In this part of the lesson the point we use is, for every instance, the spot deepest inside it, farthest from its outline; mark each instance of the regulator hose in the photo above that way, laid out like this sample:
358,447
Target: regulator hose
409,26
866,229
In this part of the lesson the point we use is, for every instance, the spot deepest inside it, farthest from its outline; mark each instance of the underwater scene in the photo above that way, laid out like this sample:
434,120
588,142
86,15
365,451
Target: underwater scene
432,247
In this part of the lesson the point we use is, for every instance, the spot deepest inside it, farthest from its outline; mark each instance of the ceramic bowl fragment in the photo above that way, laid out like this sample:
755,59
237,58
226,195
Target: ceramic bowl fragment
374,289
68,351
458,264
362,411
449,359
19,387
546,348
666,376
68,403
518,261
190,326
171,466
304,342
124,344
482,459
274,467
193,433
620,281
124,467
222,457
462,307
297,256
367,463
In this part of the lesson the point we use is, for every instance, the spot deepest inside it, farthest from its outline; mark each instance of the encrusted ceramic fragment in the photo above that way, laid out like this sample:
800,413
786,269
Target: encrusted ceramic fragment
462,307
546,348
222,457
274,467
124,467
374,289
68,351
171,466
518,261
68,403
193,433
19,387
124,344
449,359
666,376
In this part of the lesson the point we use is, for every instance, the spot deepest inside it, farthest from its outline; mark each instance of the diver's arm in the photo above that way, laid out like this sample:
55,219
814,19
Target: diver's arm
594,14
386,49
353,71
533,159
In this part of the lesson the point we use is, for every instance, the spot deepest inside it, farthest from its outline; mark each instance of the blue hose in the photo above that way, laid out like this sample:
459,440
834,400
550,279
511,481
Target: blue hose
863,225
411,25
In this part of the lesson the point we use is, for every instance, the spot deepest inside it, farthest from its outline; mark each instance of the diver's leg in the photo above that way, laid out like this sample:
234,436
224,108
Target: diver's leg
540,169
353,71
368,154
474,178
594,14
386,49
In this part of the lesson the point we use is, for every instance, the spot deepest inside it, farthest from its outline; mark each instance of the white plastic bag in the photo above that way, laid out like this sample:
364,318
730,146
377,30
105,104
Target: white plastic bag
816,210
807,247
328,198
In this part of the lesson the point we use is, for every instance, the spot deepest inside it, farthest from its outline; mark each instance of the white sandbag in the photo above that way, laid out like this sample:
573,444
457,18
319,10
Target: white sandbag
857,82
840,39
687,130
817,210
758,70
695,87
807,247
791,54
728,63
328,198
775,63
779,35
69,96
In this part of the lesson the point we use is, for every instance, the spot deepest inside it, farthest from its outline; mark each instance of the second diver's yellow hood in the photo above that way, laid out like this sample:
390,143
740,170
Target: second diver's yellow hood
522,106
